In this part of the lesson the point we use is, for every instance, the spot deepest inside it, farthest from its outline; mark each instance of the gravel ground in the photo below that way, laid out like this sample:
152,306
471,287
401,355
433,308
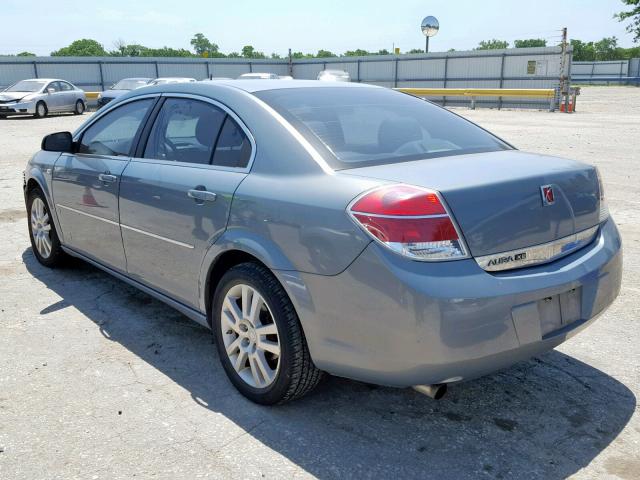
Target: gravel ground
98,380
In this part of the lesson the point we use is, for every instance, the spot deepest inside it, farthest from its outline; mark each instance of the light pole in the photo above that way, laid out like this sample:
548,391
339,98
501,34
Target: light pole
429,27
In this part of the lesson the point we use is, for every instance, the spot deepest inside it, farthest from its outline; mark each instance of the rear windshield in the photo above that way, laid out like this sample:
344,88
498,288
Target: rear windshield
370,126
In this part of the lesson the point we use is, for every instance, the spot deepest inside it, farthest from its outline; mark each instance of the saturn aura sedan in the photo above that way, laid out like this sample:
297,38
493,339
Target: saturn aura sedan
330,227
41,96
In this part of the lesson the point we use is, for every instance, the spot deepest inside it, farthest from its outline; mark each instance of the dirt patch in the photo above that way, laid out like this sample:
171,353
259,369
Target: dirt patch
12,215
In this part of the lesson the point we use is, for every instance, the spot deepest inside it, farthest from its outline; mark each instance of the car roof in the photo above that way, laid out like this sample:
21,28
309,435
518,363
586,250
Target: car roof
252,86
43,80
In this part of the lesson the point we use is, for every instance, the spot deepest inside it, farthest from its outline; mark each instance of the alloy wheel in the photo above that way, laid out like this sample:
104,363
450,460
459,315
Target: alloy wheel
250,336
41,228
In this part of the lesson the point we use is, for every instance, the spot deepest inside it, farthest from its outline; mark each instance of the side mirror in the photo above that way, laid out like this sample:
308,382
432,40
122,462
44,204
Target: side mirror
51,90
58,142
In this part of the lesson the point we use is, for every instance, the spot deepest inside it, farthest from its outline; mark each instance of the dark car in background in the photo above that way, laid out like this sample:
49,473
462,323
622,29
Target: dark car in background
123,86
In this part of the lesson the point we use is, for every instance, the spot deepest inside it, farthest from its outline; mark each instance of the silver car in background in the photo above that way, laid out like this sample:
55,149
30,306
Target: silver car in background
330,227
41,96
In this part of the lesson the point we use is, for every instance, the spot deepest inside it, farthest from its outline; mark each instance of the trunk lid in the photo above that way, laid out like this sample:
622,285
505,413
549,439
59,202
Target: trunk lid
497,200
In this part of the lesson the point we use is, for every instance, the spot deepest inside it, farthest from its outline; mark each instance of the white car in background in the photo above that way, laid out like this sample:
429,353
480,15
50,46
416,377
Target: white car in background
258,76
163,80
334,76
41,96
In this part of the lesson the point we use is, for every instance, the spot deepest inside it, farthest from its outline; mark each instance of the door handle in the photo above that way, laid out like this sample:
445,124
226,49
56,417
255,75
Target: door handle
107,178
202,195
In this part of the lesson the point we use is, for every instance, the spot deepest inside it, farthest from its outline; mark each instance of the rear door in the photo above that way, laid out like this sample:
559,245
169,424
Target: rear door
85,184
68,96
175,196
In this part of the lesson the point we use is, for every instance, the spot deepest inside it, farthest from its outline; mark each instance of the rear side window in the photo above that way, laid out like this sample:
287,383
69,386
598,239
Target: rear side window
185,130
65,87
113,133
369,126
233,148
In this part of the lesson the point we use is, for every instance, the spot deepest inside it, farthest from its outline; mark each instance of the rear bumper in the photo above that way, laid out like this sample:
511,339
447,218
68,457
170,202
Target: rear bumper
391,321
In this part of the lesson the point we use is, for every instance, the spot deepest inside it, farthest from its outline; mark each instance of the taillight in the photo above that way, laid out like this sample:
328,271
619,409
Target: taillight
604,208
411,221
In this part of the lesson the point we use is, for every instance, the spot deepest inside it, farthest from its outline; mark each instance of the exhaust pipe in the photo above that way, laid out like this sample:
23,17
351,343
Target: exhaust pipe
435,391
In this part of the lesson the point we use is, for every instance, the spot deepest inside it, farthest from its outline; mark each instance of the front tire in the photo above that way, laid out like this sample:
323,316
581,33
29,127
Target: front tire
42,231
259,338
79,108
41,110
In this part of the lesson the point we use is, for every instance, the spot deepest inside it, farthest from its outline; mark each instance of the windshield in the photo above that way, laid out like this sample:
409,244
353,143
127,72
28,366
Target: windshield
130,83
371,126
26,86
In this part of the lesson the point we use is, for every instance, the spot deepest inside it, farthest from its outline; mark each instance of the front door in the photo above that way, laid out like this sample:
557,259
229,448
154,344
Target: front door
176,196
86,184
55,97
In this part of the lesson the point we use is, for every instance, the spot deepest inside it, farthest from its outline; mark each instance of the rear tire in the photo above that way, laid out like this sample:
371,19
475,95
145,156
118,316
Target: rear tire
41,110
79,108
258,373
42,231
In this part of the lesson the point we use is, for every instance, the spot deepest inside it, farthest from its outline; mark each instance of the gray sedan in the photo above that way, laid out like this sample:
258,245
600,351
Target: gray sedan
41,96
330,227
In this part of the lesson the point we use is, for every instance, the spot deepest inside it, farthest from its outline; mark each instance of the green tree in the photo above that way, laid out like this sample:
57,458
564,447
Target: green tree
358,52
634,16
606,48
492,44
383,51
249,52
301,55
325,54
234,55
275,56
167,52
416,50
26,54
530,42
133,50
583,51
204,47
85,47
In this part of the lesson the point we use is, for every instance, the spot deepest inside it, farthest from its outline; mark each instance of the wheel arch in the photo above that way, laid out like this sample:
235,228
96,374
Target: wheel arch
238,246
290,280
35,178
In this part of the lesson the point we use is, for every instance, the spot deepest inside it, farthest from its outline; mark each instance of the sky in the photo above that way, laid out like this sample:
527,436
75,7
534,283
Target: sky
42,26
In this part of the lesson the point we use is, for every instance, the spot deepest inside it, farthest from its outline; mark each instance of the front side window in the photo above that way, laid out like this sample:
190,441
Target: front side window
54,85
370,126
185,130
113,133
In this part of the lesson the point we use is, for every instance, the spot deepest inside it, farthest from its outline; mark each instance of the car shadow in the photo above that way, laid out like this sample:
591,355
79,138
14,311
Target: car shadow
544,418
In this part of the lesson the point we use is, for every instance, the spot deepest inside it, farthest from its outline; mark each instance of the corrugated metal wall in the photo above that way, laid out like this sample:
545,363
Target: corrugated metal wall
612,71
511,68
98,73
